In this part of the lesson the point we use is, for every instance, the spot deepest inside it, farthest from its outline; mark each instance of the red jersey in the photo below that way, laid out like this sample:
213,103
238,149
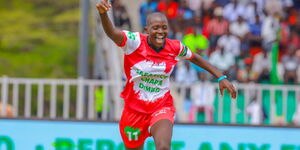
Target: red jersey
148,72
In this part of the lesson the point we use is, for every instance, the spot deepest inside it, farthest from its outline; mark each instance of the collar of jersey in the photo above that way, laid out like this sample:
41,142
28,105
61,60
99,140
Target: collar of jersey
153,47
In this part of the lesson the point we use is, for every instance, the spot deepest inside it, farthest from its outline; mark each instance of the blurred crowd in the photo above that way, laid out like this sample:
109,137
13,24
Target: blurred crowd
249,40
252,41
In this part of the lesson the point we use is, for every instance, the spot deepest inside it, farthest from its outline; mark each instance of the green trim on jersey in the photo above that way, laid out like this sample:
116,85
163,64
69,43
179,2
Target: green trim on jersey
183,53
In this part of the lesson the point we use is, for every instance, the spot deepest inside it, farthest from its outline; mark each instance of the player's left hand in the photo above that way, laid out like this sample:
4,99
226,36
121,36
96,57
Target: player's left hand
225,84
103,6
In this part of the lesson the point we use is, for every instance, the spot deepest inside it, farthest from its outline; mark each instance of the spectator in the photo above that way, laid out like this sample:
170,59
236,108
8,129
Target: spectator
177,32
284,33
290,64
245,73
195,5
255,32
254,110
269,31
230,43
294,39
202,95
195,41
99,101
207,4
121,16
233,10
221,60
261,67
287,3
241,29
252,11
185,14
264,77
185,74
147,8
216,27
292,17
260,4
169,8
274,7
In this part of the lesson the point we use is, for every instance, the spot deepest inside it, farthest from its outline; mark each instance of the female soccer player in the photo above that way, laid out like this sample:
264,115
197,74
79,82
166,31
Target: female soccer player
148,62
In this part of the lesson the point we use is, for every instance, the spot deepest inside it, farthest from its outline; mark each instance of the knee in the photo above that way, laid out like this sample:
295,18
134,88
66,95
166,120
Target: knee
163,146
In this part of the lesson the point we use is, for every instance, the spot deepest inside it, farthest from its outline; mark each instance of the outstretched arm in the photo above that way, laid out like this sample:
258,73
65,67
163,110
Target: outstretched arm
223,84
108,27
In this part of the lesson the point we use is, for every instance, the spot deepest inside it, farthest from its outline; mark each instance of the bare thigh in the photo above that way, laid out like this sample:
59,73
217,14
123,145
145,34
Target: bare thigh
162,133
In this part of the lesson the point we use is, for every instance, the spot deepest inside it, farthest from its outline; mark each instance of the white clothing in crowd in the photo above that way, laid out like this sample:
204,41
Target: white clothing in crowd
230,43
184,74
260,62
273,6
239,29
221,62
276,6
255,112
196,5
269,29
231,13
290,63
203,94
250,13
260,3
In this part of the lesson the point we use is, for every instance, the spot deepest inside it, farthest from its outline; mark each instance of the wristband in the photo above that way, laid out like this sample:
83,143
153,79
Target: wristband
222,77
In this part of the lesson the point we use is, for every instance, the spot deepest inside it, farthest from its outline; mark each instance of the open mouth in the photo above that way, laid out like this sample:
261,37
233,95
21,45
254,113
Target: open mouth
160,39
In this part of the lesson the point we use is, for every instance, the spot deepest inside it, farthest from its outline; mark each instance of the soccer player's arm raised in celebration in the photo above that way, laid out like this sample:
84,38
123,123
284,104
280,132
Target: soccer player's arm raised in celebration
223,82
114,34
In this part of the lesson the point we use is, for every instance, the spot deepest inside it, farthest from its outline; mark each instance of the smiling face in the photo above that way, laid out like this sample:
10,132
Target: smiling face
157,29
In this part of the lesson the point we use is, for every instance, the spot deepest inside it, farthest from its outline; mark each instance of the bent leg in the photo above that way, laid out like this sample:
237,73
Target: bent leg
162,134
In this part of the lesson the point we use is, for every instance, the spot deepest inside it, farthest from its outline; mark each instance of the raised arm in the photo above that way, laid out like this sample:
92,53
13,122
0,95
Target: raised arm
223,84
108,27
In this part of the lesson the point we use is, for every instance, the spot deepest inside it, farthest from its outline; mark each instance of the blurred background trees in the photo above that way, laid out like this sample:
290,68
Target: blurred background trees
39,38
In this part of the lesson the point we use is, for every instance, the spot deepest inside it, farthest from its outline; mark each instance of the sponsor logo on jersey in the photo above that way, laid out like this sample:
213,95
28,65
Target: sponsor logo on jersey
150,80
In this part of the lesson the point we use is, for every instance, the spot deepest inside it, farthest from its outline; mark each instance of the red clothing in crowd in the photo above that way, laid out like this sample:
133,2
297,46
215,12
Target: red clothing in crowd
170,8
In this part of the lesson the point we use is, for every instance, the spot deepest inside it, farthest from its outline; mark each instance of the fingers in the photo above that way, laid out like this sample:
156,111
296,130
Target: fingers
232,91
106,4
222,91
227,85
103,6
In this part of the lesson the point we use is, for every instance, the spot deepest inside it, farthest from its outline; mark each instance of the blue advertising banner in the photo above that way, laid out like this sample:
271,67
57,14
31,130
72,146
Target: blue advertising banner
68,135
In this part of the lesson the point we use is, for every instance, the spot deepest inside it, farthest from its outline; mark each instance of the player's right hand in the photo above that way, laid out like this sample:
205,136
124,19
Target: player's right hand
103,6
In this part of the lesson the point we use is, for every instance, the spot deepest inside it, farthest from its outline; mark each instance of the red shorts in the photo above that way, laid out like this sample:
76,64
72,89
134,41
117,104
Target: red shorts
135,127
